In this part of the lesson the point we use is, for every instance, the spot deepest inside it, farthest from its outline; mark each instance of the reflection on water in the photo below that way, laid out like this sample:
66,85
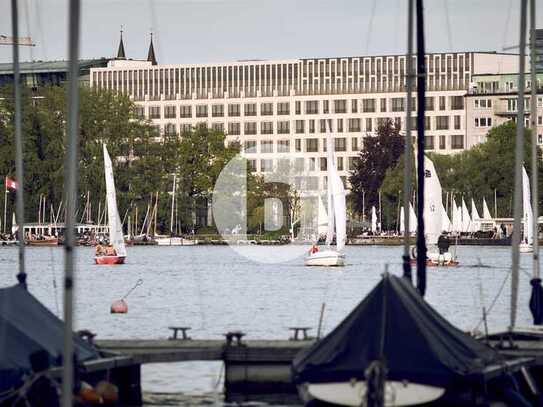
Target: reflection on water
214,289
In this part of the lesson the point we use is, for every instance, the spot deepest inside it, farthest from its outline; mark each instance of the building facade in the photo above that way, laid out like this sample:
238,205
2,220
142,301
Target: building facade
279,108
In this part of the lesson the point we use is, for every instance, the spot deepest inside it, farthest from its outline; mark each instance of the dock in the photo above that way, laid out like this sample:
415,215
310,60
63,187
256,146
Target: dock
250,366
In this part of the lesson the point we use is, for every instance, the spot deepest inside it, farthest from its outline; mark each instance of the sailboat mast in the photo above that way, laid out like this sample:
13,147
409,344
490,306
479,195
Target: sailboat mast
519,155
408,165
535,155
70,176
421,106
18,144
173,206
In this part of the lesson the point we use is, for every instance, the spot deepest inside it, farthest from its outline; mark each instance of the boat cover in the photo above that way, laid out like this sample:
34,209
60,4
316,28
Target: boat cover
418,344
27,326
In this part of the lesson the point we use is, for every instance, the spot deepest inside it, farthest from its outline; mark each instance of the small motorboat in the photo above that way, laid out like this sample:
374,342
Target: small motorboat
45,241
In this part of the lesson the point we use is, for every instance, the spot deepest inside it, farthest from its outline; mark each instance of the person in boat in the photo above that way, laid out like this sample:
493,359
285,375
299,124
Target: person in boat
443,244
314,249
100,250
110,251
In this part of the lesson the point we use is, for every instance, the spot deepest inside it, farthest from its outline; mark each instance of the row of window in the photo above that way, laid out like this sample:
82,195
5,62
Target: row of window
483,122
311,126
339,106
302,164
310,145
440,142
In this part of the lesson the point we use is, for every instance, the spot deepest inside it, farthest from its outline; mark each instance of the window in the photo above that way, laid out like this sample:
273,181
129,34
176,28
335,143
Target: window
298,145
442,122
322,125
201,111
539,138
323,163
442,103
217,110
442,142
354,106
169,129
139,111
266,165
340,144
283,146
311,126
299,164
427,123
312,166
234,110
312,107
369,124
249,128
483,122
354,144
354,125
457,141
266,146
298,107
339,128
340,106
311,145
398,122
457,103
154,112
266,128
326,106
539,120
218,127
283,127
170,112
397,104
383,105
429,103
185,111
249,109
352,163
186,128
368,105
283,108
300,128
339,163
234,129
428,142
252,165
457,122
266,109
250,146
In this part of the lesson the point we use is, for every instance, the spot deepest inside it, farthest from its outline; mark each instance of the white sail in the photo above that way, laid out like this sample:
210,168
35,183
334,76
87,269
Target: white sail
475,218
466,219
413,224
456,218
432,203
322,218
528,216
446,225
336,192
402,221
116,237
14,227
373,220
486,212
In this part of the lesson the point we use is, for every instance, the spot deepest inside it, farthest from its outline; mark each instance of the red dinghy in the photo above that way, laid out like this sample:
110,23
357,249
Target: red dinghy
109,259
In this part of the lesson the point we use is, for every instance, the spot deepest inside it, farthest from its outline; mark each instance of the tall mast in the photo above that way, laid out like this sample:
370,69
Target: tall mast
70,186
18,144
533,122
173,205
407,152
421,105
519,156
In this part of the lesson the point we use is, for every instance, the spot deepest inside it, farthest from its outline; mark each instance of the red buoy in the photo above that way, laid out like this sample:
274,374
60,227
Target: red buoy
119,307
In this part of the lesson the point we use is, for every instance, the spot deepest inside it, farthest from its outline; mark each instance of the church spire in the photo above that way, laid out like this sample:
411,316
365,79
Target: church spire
151,54
120,51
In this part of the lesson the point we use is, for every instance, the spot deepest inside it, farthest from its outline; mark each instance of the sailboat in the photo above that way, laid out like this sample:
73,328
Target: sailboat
412,220
433,217
337,216
116,238
527,241
373,220
475,218
466,219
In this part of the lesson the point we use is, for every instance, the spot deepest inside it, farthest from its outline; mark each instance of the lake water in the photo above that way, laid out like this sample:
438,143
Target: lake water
215,289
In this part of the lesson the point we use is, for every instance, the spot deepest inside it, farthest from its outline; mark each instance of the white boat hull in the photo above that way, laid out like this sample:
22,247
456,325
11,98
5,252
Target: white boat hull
526,248
444,259
175,241
327,258
354,393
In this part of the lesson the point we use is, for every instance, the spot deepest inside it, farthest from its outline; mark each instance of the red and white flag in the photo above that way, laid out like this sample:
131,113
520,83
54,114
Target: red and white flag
11,184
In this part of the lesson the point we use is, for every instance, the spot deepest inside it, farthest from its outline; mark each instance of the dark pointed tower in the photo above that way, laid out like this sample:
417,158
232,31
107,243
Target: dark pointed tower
120,51
151,54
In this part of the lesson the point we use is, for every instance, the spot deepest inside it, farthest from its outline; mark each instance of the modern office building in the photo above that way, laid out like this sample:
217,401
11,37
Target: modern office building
279,108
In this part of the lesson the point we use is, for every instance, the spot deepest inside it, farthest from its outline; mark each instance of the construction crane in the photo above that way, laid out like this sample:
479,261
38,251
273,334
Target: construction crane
23,41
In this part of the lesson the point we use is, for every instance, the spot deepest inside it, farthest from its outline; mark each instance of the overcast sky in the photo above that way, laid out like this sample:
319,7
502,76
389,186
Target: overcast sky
199,31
